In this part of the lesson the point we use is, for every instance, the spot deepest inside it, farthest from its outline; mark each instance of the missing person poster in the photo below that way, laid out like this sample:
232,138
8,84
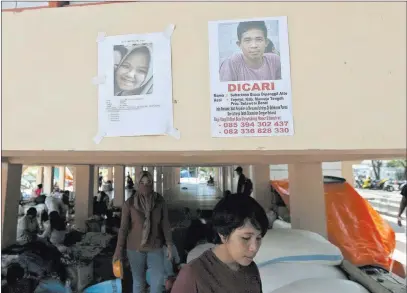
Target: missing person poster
135,97
250,77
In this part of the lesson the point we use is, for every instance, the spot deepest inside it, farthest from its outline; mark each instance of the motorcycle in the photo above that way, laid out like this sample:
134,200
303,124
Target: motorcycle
389,186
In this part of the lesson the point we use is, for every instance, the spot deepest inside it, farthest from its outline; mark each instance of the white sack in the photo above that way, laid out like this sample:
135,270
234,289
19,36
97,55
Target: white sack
291,245
322,286
281,274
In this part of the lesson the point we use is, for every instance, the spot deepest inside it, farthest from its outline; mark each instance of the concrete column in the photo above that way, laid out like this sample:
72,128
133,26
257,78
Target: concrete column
138,170
166,178
216,176
10,197
228,178
110,173
307,199
221,185
176,175
159,183
61,179
119,179
260,176
40,175
96,179
48,179
347,171
84,193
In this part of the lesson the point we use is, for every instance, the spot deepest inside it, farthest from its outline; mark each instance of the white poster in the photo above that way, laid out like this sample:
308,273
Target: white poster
250,77
135,85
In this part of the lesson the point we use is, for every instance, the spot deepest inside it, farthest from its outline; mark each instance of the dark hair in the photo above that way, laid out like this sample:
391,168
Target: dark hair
248,25
227,192
14,273
32,212
44,216
39,185
56,221
233,211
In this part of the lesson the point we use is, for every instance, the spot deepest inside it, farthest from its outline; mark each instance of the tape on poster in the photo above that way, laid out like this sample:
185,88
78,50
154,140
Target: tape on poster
97,80
101,37
169,30
174,133
99,136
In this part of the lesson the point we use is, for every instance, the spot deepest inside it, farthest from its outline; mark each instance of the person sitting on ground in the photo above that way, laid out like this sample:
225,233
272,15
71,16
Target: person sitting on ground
27,227
55,231
56,204
44,220
16,283
240,223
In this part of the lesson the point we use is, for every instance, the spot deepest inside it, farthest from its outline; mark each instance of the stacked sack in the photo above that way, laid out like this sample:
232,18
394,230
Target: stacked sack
292,261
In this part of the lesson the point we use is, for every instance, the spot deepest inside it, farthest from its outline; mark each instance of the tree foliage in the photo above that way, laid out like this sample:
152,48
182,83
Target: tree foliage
399,164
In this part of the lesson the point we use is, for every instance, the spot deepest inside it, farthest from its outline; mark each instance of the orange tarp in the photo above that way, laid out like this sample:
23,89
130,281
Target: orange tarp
353,225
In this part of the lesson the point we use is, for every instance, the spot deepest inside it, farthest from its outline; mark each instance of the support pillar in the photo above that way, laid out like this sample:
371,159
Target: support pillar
347,171
83,194
176,176
119,182
307,198
167,178
260,176
40,175
96,179
216,176
228,178
159,183
61,179
137,172
10,198
110,173
48,179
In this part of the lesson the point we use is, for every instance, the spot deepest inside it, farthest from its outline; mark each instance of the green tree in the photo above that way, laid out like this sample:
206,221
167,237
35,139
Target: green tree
399,164
377,166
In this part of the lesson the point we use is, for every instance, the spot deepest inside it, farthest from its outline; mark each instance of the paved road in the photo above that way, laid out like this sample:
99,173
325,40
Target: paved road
387,204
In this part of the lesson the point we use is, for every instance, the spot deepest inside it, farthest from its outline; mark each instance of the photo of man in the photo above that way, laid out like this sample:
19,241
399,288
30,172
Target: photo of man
257,58
133,70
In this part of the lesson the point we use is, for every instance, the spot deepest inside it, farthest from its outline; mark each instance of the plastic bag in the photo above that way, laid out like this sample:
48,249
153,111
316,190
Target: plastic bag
118,269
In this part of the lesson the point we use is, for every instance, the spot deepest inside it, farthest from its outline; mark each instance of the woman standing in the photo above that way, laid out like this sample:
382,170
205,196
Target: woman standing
240,223
145,229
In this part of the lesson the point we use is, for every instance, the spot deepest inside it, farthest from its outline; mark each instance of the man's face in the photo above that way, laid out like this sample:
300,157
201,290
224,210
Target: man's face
253,44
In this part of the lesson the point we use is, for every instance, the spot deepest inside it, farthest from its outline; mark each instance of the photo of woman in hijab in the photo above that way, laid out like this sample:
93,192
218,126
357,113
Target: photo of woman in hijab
133,70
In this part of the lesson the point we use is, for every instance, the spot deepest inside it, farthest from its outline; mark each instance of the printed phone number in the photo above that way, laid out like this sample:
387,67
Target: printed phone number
254,124
255,127
232,131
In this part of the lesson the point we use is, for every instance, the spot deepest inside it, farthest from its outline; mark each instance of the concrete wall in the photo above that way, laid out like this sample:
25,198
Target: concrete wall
342,71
